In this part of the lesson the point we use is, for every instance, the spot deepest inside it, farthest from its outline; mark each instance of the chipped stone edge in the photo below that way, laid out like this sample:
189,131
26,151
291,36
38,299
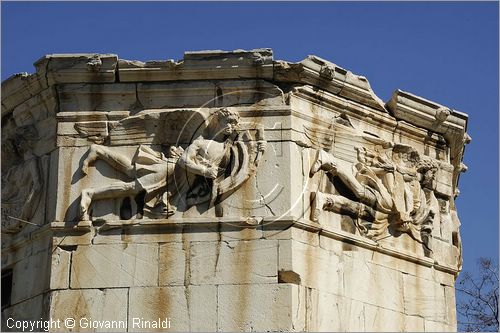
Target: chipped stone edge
253,64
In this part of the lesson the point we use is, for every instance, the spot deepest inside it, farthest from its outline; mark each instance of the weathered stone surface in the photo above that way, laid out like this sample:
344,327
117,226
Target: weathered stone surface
387,282
201,94
31,309
15,254
329,312
330,77
233,262
69,68
277,230
207,65
24,286
173,258
94,310
192,308
424,298
239,307
19,88
313,266
60,267
114,265
96,97
451,314
228,191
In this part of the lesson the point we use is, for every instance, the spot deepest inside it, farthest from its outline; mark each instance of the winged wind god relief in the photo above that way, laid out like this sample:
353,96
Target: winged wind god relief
209,156
387,188
23,181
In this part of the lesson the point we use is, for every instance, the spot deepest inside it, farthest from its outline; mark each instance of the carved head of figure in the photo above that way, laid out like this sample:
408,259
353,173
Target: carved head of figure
444,206
405,156
428,168
223,123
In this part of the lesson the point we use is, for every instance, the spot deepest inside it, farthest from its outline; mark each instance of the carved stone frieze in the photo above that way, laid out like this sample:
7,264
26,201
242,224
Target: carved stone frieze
389,188
220,158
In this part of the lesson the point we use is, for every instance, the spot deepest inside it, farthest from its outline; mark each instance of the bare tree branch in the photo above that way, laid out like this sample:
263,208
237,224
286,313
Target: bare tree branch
477,306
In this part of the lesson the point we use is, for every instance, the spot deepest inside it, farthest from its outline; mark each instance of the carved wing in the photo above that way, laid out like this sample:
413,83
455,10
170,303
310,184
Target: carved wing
96,131
172,127
320,137
342,140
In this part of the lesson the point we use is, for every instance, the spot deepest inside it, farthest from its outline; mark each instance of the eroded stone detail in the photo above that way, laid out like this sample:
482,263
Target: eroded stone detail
390,187
22,181
341,217
212,166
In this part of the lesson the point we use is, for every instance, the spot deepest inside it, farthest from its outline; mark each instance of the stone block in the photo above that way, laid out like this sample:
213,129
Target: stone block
138,235
404,243
201,94
69,68
436,326
290,232
444,278
387,260
378,319
312,266
69,237
255,307
96,97
333,313
265,193
451,310
12,255
237,232
31,276
31,309
331,244
414,324
191,308
383,288
233,262
446,254
204,65
60,267
172,263
94,310
19,88
114,265
424,298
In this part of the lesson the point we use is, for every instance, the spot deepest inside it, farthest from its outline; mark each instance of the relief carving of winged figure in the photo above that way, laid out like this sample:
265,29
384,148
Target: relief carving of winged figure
220,158
390,185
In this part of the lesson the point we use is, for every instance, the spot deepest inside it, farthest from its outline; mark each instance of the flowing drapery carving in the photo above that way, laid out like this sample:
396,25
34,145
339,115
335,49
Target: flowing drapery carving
22,182
391,186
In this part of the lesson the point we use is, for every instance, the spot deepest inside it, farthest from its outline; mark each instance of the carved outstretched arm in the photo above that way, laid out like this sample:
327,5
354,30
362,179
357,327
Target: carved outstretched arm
190,162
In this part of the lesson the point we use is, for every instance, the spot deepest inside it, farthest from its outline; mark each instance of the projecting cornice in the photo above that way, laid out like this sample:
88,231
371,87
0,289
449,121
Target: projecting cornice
313,71
202,65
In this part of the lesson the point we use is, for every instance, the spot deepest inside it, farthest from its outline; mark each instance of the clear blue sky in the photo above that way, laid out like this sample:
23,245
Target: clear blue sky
446,52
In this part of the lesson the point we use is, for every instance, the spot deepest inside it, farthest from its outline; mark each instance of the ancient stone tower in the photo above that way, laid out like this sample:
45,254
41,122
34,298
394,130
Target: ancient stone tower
227,191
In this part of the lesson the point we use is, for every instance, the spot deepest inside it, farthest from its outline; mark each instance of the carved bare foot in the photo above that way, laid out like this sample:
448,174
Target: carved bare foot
330,167
317,163
317,204
324,161
91,158
85,204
